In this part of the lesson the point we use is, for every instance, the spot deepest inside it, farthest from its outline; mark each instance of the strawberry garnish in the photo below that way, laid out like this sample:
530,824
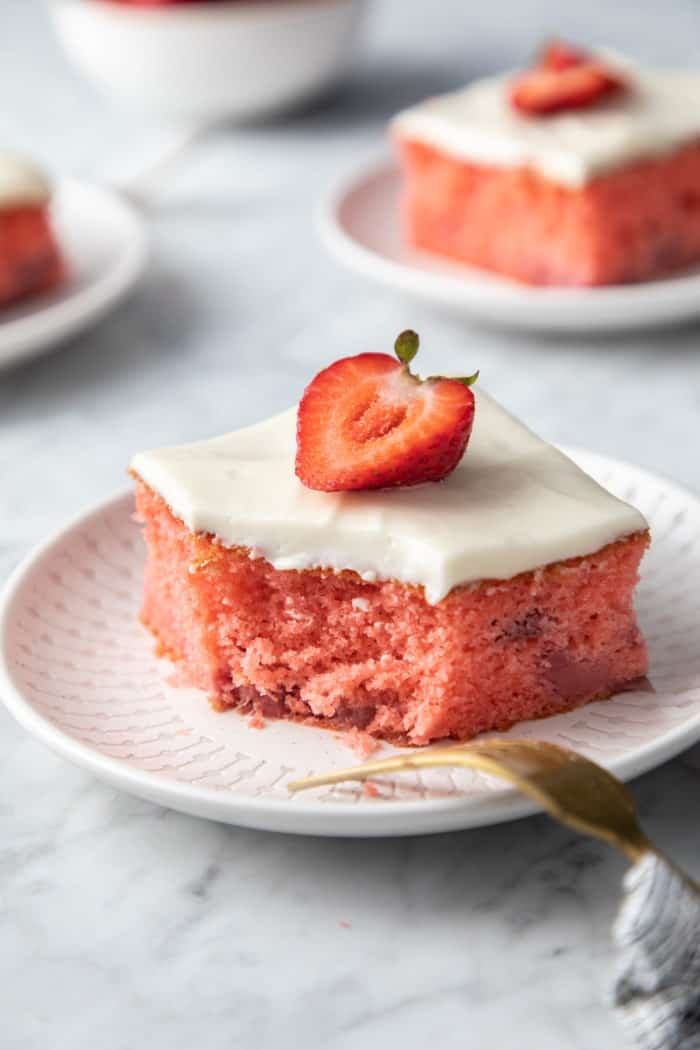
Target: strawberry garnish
558,55
564,79
367,422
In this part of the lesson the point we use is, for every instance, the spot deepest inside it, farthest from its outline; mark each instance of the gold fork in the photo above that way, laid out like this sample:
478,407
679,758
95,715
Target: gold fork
571,788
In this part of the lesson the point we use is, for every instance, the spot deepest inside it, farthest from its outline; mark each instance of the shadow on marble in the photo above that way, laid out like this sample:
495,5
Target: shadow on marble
375,92
680,339
683,336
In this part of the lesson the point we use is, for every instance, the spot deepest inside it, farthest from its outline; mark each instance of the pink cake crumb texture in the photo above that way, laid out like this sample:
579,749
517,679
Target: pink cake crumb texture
293,644
639,222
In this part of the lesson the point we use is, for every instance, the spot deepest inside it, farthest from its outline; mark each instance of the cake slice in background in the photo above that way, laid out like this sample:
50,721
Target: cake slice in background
503,592
584,170
30,260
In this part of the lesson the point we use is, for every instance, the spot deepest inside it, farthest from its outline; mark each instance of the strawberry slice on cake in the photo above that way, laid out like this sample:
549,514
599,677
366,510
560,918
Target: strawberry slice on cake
546,90
565,78
367,422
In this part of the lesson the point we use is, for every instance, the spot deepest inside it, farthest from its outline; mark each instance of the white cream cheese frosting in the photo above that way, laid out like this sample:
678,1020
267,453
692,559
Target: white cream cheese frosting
513,504
659,111
21,182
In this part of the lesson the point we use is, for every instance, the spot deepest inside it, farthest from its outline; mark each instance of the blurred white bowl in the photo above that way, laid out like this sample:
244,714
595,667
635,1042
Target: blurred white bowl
240,59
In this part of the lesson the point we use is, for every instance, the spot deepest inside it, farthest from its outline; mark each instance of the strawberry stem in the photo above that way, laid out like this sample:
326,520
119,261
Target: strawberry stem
406,346
468,380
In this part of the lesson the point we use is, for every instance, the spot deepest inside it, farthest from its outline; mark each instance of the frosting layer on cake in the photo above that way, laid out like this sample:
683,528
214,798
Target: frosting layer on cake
21,182
659,112
513,504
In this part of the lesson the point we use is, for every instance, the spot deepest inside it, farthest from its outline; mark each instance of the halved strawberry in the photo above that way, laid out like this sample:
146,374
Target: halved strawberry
558,55
542,91
367,422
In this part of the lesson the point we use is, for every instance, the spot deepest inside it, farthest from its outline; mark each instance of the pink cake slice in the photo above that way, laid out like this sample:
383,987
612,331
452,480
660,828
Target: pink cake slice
260,627
598,196
631,225
30,259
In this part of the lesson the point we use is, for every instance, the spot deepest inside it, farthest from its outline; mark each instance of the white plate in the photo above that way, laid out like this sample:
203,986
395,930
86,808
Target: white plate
103,239
359,223
77,670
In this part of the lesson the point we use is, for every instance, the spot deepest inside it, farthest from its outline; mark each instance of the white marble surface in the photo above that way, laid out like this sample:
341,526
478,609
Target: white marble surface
124,925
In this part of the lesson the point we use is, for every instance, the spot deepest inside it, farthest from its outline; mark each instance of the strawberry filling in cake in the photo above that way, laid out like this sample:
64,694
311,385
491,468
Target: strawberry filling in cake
30,262
581,171
412,611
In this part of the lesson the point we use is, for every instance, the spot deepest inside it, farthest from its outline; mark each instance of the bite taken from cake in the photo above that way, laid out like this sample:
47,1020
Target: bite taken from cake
397,556
583,170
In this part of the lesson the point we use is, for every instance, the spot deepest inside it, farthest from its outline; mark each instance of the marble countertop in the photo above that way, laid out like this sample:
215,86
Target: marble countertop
125,925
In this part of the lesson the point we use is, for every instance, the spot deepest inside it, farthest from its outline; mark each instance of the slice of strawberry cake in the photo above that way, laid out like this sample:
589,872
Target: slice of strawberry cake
584,170
350,565
30,261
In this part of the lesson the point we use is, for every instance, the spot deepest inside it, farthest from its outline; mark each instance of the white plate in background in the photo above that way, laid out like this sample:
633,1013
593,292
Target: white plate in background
77,670
359,223
103,239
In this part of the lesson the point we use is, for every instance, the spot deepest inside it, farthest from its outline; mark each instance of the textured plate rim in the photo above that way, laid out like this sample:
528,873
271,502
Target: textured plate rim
485,295
312,816
51,323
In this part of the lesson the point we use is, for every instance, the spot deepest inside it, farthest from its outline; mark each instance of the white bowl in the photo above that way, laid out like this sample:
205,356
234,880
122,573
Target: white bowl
207,60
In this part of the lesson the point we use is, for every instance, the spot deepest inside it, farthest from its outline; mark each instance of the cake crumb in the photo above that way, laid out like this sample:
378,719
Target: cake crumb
370,789
176,678
257,720
360,742
344,924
